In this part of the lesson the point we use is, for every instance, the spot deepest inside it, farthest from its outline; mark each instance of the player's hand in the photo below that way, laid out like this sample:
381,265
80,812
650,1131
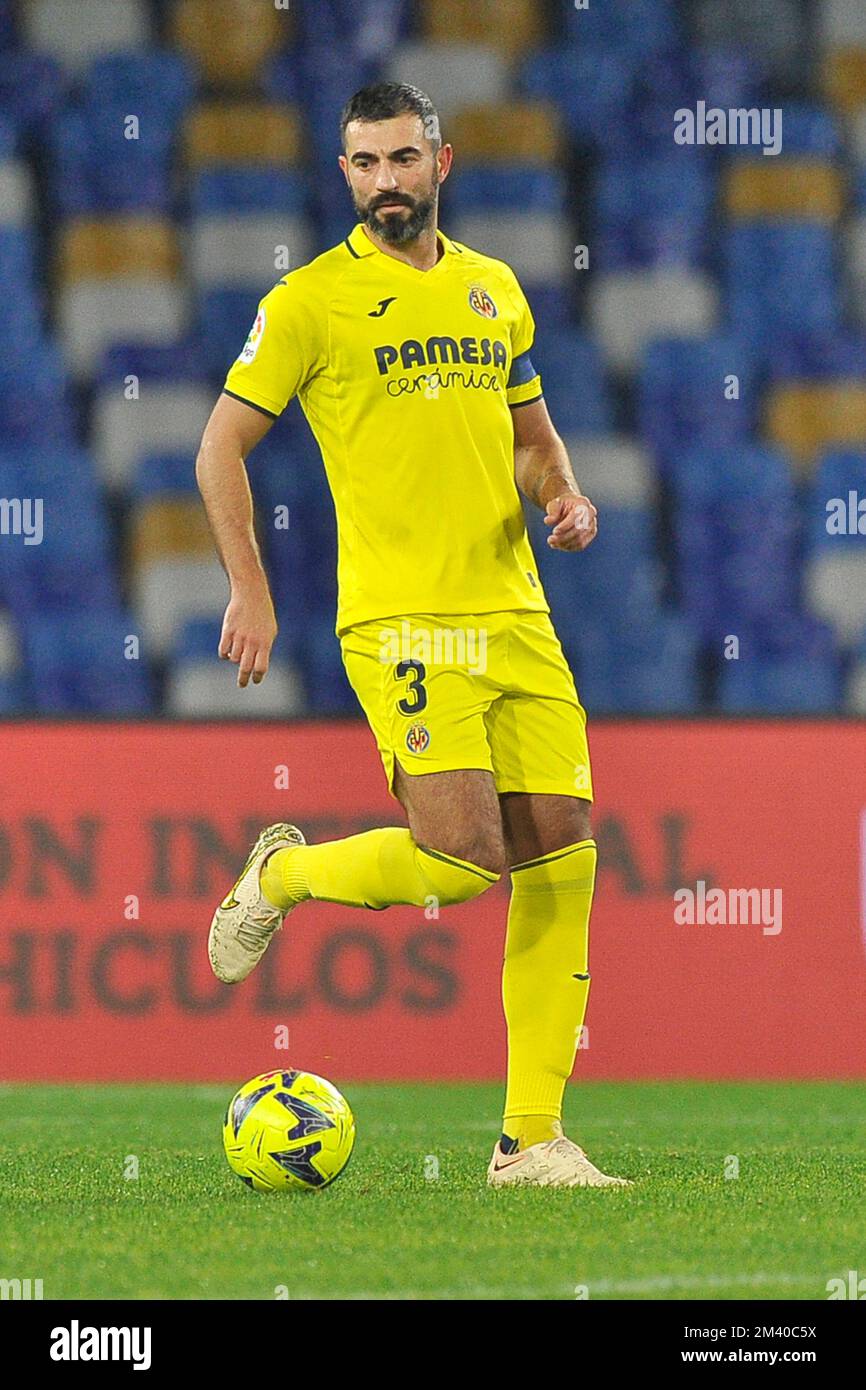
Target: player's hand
249,629
574,521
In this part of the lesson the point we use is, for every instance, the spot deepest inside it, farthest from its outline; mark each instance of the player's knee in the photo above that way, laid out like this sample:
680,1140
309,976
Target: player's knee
458,876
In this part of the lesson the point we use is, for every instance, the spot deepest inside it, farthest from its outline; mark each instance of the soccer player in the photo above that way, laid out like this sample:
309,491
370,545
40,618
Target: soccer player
410,354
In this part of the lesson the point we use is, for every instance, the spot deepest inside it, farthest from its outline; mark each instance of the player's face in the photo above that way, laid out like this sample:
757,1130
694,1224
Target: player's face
394,172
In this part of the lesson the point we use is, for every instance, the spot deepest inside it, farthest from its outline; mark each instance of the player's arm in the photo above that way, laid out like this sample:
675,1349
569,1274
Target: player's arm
543,473
250,624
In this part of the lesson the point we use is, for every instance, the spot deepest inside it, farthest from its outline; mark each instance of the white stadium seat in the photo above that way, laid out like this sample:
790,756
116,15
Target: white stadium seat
240,251
74,32
453,75
166,592
842,23
209,689
855,696
855,253
10,650
629,307
835,589
166,419
535,245
16,194
612,470
94,313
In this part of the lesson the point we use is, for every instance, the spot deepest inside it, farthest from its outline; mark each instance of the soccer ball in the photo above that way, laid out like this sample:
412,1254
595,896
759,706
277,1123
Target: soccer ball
288,1131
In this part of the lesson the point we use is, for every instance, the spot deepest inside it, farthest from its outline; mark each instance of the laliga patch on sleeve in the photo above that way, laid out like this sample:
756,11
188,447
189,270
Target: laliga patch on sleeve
251,346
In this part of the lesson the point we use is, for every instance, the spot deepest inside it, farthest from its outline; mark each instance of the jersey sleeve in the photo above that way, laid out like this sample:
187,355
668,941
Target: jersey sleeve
524,382
283,350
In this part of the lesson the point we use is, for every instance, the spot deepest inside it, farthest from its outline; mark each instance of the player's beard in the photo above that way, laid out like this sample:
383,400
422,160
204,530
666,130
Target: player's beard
398,229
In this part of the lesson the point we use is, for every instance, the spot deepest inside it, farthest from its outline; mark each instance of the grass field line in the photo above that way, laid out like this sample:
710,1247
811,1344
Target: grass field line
657,1284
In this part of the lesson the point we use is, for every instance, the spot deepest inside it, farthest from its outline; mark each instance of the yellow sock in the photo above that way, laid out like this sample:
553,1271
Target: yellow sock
375,869
545,984
533,1129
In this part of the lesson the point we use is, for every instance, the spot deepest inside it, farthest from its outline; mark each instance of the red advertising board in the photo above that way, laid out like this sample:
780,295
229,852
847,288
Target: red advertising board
116,842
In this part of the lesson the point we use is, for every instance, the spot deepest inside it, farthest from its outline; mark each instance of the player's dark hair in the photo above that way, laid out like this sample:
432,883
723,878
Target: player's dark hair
383,100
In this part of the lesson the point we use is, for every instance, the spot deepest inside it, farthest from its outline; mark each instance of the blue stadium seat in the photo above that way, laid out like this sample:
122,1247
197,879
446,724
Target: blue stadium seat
763,272
591,85
735,530
727,75
223,322
809,132
160,475
781,685
620,25
327,687
655,212
681,394
572,378
634,667
32,90
505,187
77,663
249,190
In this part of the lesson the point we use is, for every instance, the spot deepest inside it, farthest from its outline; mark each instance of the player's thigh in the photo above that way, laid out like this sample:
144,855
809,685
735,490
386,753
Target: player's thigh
427,712
455,812
535,824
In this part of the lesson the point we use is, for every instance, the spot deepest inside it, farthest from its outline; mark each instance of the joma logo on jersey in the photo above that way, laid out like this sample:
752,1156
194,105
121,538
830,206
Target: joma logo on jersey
481,352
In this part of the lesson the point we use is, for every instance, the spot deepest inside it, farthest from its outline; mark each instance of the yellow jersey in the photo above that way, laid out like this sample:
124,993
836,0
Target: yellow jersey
407,379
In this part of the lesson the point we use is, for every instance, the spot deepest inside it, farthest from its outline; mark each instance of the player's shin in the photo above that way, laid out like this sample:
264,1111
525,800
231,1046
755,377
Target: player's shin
545,985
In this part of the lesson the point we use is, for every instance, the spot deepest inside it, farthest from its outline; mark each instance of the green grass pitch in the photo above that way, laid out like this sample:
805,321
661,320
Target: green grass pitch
187,1228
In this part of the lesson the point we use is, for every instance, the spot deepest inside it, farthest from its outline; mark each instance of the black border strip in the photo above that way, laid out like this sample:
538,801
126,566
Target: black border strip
515,405
235,397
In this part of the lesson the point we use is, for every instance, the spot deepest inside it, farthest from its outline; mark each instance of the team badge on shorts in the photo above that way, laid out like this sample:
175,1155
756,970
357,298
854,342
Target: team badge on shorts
418,738
480,301
251,346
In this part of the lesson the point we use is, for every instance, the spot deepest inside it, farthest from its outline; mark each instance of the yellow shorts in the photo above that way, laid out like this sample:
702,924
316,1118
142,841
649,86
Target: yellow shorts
490,690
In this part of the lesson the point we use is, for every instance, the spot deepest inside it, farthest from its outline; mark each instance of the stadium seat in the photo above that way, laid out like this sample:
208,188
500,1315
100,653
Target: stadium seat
855,694
510,133
246,250
844,82
763,268
653,213
684,394
734,528
173,568
230,40
573,381
327,688
841,22
514,26
834,585
80,663
32,90
200,685
805,419
100,26
592,85
535,244
613,471
641,30
774,30
454,75
168,414
757,684
811,190
17,205
249,133
117,278
628,308
649,666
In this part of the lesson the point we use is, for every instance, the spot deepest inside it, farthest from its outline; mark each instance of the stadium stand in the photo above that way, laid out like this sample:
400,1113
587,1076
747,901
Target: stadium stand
706,363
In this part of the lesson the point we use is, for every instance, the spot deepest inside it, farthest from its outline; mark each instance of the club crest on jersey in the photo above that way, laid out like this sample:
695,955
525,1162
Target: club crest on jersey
251,346
480,301
418,738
